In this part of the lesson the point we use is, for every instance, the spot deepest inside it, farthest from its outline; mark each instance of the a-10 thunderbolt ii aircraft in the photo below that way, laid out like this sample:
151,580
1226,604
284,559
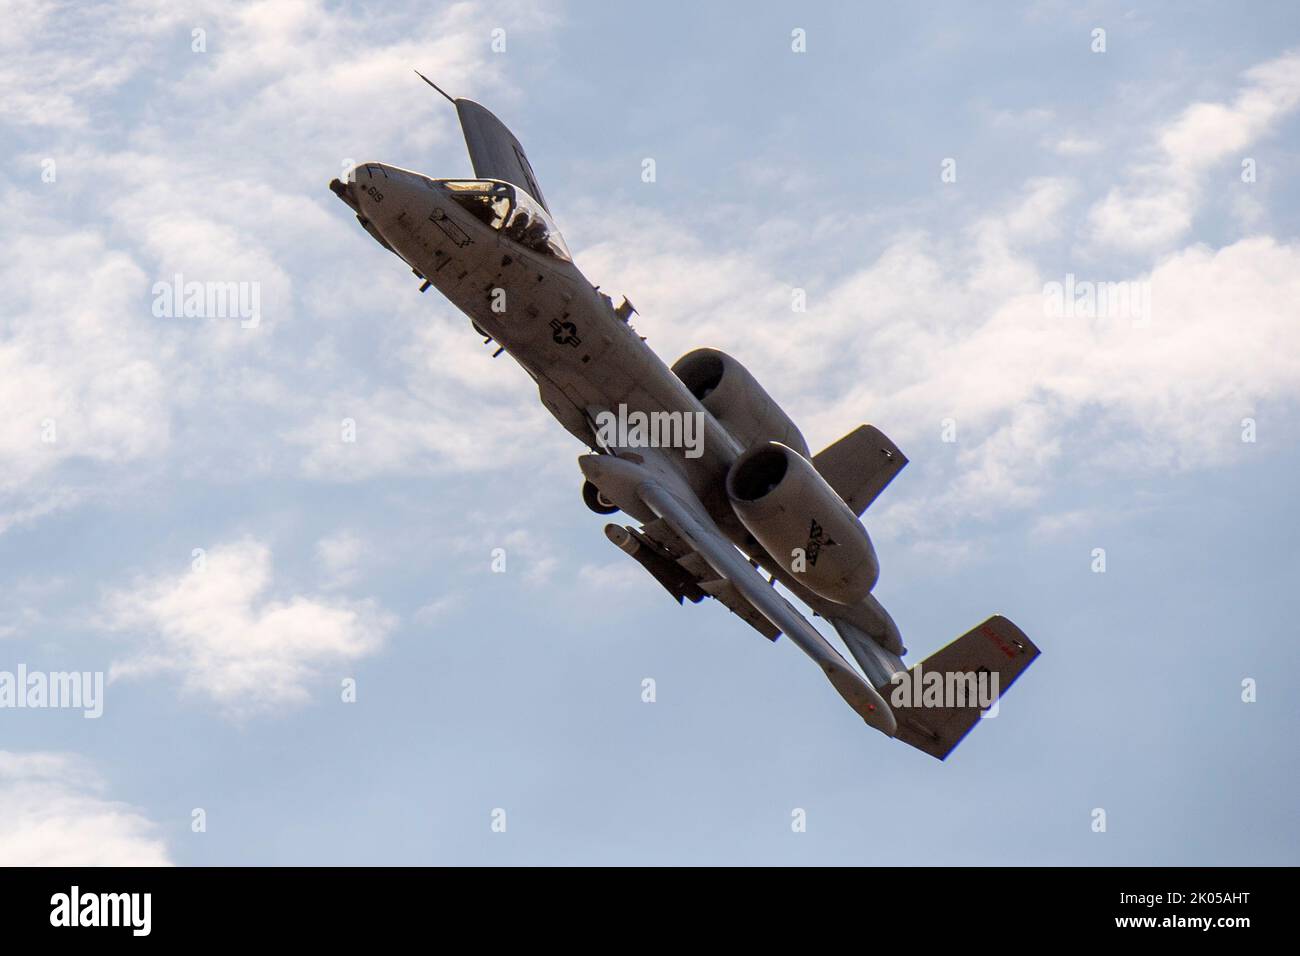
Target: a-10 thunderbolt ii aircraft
745,506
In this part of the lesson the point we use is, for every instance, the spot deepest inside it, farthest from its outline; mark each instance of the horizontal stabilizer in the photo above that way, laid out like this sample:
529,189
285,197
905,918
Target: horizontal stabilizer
860,465
976,668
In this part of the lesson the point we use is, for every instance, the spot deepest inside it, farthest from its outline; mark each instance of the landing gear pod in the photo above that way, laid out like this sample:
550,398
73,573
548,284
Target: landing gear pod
597,502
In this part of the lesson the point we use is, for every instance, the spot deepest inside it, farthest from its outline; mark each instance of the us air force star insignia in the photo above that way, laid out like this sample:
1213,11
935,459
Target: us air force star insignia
565,333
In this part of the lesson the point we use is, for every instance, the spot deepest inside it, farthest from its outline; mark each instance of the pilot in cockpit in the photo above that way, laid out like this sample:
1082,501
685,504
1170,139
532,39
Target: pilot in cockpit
518,226
501,206
529,232
535,235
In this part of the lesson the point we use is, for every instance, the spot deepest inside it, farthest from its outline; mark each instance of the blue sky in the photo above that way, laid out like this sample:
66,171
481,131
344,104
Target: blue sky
326,560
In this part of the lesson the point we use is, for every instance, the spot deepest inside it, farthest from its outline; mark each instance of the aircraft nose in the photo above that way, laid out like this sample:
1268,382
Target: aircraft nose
354,187
345,191
363,173
376,192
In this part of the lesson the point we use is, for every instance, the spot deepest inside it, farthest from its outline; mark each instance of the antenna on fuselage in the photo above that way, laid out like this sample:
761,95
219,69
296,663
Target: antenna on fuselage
435,86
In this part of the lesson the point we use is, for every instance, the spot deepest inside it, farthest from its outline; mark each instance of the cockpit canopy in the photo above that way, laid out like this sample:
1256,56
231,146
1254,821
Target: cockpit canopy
509,210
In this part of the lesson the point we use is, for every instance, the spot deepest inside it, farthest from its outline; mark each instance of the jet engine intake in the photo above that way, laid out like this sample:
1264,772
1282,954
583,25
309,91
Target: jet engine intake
733,396
802,523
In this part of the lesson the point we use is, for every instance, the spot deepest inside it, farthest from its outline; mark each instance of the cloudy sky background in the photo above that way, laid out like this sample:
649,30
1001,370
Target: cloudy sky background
775,170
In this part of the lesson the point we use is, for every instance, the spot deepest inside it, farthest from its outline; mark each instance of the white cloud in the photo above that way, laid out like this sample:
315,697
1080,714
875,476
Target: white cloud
539,562
1032,395
1035,116
953,325
51,84
432,612
1073,146
79,370
526,552
425,427
156,194
1067,522
217,629
53,812
1157,207
941,324
617,575
340,556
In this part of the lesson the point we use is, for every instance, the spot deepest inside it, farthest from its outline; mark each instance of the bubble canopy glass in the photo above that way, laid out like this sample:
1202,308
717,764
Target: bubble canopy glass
511,211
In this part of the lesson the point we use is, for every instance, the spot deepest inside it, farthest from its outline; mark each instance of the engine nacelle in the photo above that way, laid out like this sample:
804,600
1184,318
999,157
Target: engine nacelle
733,396
800,520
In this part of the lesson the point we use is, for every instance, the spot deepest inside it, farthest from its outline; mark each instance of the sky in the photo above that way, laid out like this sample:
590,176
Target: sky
306,653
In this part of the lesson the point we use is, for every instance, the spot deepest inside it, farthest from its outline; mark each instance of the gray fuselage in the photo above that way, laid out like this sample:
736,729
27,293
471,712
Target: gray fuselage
566,334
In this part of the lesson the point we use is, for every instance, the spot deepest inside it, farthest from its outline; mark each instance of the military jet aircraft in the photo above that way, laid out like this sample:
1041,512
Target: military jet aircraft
741,508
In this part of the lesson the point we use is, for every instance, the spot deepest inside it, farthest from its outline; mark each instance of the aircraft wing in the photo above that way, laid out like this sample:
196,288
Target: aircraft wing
494,151
688,519
665,540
